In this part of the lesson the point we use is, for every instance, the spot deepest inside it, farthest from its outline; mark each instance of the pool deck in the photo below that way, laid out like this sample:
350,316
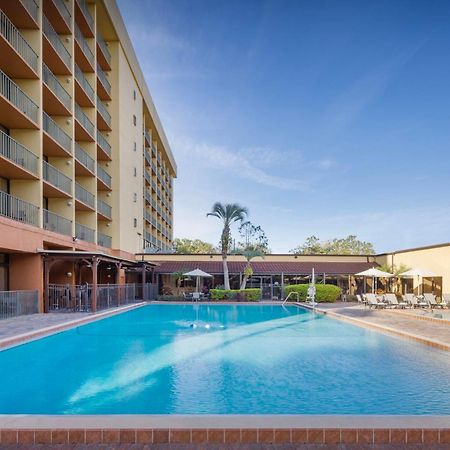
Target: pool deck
405,323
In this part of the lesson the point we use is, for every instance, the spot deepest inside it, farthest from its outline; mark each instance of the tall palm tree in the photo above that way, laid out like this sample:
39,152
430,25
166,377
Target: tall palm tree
249,253
228,214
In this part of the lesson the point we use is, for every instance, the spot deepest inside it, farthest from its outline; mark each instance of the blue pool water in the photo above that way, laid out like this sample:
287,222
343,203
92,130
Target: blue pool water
243,359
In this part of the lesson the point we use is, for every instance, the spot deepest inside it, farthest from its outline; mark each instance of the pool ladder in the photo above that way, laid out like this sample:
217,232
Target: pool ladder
290,293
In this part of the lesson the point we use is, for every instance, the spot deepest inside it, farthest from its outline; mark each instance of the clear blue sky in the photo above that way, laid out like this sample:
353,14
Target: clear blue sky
322,117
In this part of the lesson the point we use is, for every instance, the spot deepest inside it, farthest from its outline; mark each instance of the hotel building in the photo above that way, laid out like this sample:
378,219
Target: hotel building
86,171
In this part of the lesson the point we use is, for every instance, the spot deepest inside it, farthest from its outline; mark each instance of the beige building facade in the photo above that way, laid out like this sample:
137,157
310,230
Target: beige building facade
85,164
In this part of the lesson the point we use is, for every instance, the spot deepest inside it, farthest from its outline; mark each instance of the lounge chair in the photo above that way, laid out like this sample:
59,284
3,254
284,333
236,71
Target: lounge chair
446,300
414,301
372,301
195,296
431,300
393,302
360,300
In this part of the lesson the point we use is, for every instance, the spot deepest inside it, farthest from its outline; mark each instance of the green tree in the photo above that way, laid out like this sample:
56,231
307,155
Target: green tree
349,245
228,213
249,253
179,277
253,236
185,245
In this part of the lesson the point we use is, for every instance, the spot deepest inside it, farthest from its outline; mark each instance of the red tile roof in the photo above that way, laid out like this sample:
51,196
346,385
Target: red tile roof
264,267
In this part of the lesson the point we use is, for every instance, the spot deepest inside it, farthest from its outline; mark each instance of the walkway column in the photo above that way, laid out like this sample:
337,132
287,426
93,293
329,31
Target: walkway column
94,283
282,286
46,299
143,282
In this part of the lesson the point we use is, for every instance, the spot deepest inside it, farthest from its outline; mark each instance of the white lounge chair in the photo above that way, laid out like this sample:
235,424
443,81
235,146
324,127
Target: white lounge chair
414,301
360,300
431,300
372,301
393,302
446,300
195,296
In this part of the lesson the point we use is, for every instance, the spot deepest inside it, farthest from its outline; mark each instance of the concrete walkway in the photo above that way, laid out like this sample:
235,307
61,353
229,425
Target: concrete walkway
431,330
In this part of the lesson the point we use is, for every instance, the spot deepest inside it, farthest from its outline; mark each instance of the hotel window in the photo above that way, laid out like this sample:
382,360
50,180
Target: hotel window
135,222
135,197
135,172
134,95
134,120
135,146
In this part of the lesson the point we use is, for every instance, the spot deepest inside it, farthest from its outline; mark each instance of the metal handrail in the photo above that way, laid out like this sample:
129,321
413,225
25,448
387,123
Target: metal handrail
17,97
102,77
56,223
103,175
18,303
56,87
103,111
104,48
103,143
17,153
84,45
83,158
57,133
84,196
87,14
17,41
104,209
104,240
56,178
84,233
32,7
56,41
16,209
84,83
84,120
63,10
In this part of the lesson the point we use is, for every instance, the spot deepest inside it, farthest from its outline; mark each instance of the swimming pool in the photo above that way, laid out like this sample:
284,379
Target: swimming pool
223,359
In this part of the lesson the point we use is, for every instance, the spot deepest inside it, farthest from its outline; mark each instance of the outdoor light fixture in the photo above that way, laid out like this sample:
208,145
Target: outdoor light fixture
69,274
74,239
69,203
68,122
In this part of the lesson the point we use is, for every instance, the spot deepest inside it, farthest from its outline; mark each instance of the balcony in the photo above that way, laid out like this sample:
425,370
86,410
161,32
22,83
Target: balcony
147,177
16,161
84,18
103,179
59,15
148,158
148,197
104,211
56,141
148,139
103,148
18,59
84,164
56,55
83,54
103,116
22,13
57,101
84,128
84,233
84,93
57,224
17,110
16,209
56,184
103,55
104,240
148,217
84,200
103,85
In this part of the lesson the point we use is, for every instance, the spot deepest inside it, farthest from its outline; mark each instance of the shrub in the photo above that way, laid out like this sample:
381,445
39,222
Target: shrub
324,292
249,295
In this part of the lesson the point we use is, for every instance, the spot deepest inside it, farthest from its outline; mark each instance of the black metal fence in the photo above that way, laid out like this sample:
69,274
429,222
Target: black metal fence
18,303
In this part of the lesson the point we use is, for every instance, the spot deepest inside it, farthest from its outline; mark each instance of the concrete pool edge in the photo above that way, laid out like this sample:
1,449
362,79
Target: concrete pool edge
217,429
382,328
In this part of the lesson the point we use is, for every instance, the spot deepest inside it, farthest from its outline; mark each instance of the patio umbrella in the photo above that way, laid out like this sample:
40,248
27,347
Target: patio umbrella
419,273
198,274
374,273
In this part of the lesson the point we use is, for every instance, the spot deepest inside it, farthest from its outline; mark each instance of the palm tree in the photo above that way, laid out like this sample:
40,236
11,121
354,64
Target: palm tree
179,277
249,253
228,214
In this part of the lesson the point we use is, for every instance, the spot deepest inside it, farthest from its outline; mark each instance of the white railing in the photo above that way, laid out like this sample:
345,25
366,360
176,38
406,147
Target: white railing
56,87
18,303
32,7
57,133
104,209
17,97
84,45
102,77
20,45
84,120
63,10
83,158
103,143
84,83
104,48
17,153
56,41
84,233
103,111
56,223
16,209
84,196
103,175
87,14
104,240
56,178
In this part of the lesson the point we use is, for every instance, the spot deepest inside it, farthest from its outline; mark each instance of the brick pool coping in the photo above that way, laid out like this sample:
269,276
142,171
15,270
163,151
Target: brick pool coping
232,429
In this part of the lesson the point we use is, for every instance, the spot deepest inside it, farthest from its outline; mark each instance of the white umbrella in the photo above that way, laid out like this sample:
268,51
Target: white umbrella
198,274
419,273
374,273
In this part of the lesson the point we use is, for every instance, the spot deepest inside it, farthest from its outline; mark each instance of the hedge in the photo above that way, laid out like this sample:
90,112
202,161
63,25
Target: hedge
328,293
250,295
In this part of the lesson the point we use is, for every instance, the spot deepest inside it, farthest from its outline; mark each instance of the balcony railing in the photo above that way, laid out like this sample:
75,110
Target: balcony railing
147,136
147,176
84,196
103,79
148,197
57,133
18,154
56,178
104,209
20,45
16,209
84,45
32,7
84,120
104,240
56,41
86,13
17,97
104,48
18,303
56,87
84,159
103,111
58,224
103,143
79,76
63,10
148,158
103,175
84,233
